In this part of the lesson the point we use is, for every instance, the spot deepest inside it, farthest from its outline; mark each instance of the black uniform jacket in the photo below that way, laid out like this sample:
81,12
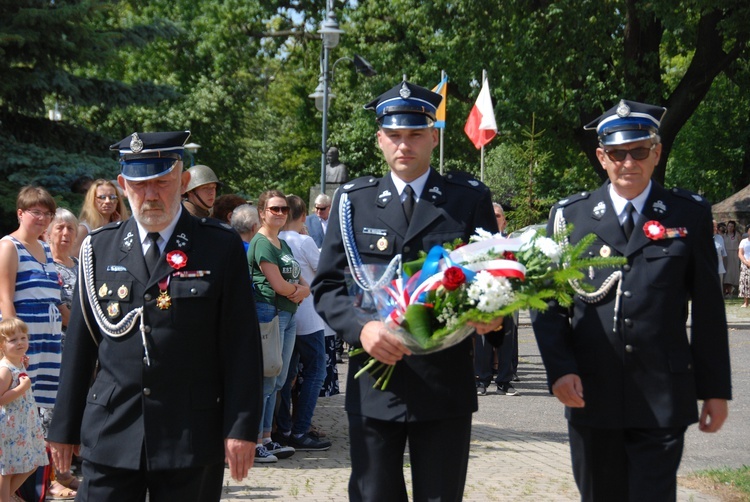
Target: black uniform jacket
204,381
642,370
429,387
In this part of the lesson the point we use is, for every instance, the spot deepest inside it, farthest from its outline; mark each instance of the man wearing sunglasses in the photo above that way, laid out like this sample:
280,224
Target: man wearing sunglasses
620,359
317,223
430,398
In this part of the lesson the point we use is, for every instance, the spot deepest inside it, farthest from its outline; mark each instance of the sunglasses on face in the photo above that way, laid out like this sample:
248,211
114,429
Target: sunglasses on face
319,208
105,197
279,209
636,153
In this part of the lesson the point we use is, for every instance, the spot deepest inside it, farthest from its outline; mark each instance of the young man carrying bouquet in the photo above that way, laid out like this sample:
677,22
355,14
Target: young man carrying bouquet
429,399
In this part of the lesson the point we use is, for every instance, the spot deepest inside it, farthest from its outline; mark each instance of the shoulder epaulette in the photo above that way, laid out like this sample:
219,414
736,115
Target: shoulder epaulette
465,179
213,222
109,226
691,196
356,184
571,199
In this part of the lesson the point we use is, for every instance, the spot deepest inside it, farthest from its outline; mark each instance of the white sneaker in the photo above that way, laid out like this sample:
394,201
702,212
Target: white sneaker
279,451
262,455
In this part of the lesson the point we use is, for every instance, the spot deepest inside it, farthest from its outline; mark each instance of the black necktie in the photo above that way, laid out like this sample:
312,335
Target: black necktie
152,255
628,224
408,202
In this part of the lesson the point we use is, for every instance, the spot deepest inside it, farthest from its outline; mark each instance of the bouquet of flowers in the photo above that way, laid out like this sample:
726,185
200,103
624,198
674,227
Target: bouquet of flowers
430,302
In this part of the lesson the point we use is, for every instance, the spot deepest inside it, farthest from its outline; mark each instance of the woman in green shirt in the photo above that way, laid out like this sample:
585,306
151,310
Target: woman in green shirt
278,286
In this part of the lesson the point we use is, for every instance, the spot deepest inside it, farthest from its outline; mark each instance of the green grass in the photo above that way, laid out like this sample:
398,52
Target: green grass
738,479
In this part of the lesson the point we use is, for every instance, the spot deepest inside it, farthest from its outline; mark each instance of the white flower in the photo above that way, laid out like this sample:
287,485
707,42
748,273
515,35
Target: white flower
483,235
490,293
528,237
550,248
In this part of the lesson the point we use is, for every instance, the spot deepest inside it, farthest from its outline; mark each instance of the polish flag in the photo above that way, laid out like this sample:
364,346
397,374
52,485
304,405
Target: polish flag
481,126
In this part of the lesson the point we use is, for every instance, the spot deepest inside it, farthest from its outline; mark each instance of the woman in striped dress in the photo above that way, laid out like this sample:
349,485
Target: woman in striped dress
30,290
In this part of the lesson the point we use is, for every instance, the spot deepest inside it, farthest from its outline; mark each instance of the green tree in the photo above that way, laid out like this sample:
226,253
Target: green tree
47,51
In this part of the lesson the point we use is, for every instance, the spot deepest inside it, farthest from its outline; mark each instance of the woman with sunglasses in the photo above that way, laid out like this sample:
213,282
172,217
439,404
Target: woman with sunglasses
279,288
103,204
30,291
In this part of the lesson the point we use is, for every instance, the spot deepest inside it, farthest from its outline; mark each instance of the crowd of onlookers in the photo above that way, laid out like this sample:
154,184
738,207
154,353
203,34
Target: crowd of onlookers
733,254
38,276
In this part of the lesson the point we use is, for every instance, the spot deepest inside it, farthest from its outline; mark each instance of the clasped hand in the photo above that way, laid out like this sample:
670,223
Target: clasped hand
382,344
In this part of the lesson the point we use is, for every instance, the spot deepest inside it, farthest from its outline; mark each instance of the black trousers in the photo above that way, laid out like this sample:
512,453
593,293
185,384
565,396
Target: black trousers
197,484
635,465
438,451
507,354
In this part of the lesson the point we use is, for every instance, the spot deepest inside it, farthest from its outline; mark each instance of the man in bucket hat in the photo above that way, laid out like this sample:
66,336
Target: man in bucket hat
171,332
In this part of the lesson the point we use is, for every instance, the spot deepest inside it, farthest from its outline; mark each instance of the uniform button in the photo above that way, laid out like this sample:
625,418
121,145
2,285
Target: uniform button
627,294
629,323
193,291
147,297
94,396
626,267
145,361
628,349
407,249
146,391
664,250
372,246
147,329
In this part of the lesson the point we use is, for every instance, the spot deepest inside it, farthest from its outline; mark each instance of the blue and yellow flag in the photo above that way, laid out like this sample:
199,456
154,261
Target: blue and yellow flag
442,89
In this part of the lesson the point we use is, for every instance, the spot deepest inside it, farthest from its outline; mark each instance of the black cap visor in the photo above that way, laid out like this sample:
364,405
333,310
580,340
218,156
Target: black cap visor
146,169
406,121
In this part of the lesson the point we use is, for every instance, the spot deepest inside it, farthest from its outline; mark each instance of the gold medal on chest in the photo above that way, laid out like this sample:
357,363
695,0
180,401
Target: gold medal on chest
382,244
122,292
113,309
605,251
103,290
164,301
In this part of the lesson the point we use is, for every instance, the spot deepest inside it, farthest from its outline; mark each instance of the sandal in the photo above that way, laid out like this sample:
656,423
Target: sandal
59,492
68,480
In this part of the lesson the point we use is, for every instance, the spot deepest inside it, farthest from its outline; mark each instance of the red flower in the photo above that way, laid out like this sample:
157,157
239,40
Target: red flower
654,230
176,259
508,255
453,277
21,375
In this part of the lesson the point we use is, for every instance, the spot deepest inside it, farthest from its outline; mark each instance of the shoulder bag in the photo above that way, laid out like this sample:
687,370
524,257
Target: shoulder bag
270,336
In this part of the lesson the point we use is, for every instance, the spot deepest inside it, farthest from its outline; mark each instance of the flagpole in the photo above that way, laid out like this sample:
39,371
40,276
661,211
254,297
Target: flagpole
481,156
442,129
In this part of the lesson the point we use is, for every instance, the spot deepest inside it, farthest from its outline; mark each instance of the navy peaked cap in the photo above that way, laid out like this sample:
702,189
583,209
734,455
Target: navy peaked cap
628,122
406,106
148,155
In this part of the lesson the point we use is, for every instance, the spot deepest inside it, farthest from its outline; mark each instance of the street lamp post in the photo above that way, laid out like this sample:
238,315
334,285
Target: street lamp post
192,149
330,33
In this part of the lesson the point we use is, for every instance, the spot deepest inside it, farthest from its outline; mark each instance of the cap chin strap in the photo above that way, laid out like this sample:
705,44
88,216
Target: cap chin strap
205,206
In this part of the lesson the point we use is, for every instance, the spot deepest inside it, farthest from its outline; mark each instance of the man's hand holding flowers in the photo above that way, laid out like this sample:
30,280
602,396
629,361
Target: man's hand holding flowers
382,344
487,327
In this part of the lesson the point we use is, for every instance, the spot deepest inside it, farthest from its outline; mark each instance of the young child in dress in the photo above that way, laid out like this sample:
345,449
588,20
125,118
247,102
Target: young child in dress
22,447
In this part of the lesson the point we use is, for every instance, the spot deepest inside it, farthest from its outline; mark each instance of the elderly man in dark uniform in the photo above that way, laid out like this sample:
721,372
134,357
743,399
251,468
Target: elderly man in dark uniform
430,398
166,326
620,358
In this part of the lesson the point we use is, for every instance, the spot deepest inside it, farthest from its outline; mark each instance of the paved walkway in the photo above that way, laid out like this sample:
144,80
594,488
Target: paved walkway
519,447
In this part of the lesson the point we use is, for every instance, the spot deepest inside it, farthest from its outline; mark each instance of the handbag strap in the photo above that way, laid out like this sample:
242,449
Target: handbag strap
252,274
